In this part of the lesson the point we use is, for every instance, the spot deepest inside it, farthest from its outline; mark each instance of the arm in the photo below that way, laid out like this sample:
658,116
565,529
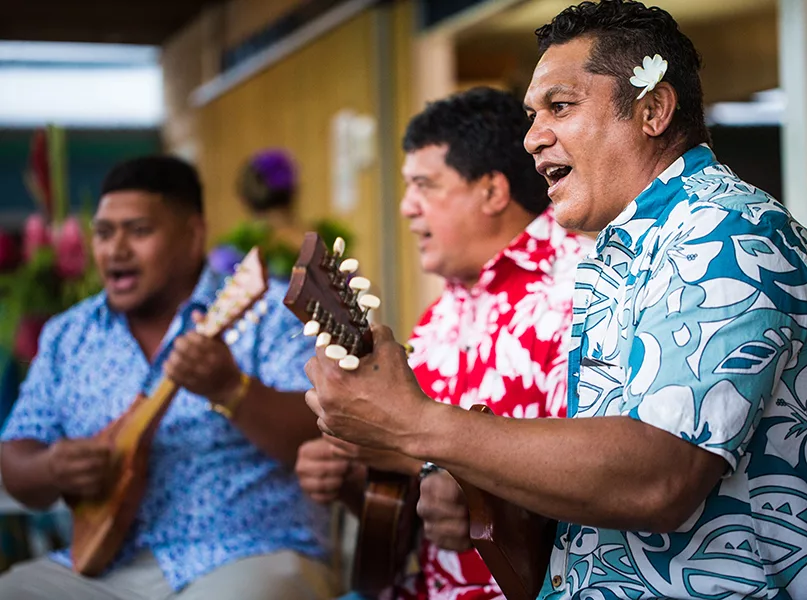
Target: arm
26,475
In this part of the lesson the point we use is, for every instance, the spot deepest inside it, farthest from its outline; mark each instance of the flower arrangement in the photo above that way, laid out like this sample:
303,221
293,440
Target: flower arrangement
46,269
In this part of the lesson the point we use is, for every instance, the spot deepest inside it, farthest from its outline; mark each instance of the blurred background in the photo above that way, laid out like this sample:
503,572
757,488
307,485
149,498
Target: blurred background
330,85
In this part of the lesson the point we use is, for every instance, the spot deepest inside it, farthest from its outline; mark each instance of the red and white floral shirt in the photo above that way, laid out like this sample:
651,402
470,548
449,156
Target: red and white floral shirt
502,343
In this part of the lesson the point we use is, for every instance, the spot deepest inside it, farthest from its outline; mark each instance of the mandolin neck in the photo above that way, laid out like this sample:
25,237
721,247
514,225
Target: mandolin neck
145,415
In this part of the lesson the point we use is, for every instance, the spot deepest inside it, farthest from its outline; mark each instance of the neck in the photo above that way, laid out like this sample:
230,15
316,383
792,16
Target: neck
511,224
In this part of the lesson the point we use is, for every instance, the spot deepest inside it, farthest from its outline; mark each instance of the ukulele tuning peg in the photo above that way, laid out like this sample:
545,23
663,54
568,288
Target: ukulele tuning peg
349,363
242,326
311,328
251,317
339,247
231,337
359,284
369,302
335,352
262,307
349,265
323,339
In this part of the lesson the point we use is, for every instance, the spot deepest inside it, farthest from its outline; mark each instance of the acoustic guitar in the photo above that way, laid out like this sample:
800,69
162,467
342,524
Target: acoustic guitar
514,543
326,295
100,525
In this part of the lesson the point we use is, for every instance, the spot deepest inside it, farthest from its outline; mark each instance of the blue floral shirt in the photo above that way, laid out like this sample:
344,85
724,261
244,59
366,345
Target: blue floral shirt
690,316
212,496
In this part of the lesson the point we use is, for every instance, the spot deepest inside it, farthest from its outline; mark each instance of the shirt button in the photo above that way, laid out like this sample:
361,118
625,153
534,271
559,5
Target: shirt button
557,580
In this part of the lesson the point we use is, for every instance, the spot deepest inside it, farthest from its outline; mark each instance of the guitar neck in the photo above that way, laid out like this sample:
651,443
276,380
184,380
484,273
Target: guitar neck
146,414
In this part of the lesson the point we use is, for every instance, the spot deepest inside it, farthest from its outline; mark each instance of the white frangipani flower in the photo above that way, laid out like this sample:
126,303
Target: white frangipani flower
649,74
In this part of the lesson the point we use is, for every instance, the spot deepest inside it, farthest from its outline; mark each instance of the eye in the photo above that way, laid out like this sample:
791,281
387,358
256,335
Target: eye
102,233
531,116
559,107
142,231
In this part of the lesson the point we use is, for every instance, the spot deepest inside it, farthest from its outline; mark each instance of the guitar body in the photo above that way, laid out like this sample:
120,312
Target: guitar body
386,532
514,543
101,525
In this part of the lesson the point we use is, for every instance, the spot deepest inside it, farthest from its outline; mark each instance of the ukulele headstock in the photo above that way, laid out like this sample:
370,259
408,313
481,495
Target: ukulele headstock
333,303
233,302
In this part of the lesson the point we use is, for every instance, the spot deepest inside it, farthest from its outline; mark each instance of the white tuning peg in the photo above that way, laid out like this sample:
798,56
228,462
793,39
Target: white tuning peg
369,302
311,328
231,337
339,246
359,284
335,352
349,363
251,317
323,339
242,326
349,265
262,307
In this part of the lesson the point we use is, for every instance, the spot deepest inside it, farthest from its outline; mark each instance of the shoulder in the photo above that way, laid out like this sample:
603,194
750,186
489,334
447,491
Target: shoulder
65,328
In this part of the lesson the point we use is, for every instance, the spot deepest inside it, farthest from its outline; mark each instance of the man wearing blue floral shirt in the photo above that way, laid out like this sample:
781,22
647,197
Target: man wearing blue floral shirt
223,516
683,473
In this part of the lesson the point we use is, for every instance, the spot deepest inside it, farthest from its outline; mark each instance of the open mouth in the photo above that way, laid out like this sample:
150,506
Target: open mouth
122,280
555,174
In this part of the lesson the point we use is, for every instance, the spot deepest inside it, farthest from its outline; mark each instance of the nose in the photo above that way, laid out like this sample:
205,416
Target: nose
410,203
539,136
119,248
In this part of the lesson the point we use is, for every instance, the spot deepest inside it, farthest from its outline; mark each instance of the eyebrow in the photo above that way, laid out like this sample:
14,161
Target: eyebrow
125,223
558,88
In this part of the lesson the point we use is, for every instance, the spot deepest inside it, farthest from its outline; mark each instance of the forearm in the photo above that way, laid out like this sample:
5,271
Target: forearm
276,422
26,474
611,472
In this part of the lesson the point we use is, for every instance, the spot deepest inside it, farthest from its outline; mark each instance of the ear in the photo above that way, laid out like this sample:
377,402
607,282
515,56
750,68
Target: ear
497,189
658,108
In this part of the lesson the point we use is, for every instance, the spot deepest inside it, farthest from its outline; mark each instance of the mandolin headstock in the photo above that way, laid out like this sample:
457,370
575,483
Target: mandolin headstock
233,302
326,295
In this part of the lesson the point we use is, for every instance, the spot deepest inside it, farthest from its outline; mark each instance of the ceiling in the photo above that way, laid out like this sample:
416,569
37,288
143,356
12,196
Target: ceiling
107,21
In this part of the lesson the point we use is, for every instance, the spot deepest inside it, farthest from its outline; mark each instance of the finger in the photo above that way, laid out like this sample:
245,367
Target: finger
381,334
312,400
323,427
341,447
323,498
197,316
312,370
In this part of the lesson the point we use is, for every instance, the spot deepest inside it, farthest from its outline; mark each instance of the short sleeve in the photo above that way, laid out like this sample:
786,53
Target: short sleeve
36,413
282,349
713,331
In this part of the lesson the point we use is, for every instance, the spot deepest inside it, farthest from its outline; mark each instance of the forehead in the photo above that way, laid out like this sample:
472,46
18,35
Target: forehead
426,161
563,66
130,204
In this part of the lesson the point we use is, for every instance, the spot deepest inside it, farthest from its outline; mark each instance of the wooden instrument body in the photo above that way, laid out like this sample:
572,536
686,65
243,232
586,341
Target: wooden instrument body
101,525
515,543
386,531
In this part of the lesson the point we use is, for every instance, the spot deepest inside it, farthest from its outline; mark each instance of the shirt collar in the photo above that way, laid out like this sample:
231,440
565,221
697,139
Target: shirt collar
655,200
531,250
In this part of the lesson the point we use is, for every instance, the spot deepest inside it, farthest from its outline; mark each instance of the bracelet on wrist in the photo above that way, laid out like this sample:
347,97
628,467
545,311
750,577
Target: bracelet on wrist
228,408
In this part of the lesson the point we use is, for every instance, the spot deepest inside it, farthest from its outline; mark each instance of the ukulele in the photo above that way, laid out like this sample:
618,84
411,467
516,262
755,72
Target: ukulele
333,303
100,525
514,543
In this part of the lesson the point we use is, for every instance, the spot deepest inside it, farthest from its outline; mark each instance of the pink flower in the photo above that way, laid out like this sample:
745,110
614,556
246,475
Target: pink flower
71,254
26,342
9,253
35,235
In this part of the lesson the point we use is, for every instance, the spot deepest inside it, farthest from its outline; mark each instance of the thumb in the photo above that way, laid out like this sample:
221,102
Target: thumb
381,334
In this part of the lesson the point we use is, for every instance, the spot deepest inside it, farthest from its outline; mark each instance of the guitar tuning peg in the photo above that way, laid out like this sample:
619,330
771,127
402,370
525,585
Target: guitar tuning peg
339,247
323,339
349,265
231,337
369,302
359,284
349,363
335,352
311,328
262,307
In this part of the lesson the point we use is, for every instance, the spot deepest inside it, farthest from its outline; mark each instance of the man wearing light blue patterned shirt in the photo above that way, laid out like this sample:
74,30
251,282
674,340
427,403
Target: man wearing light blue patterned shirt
223,515
683,473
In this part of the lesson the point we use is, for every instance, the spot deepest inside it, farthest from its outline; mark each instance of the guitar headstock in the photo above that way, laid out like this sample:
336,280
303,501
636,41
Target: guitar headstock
333,303
241,290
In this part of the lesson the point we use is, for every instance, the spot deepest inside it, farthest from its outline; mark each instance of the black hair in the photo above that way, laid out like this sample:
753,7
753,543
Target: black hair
174,179
258,194
484,130
624,32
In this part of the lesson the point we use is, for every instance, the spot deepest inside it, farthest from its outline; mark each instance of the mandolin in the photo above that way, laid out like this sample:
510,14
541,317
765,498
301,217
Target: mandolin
326,295
100,525
514,543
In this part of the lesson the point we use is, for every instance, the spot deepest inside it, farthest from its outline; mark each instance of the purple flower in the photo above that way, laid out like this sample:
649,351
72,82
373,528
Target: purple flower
276,169
223,259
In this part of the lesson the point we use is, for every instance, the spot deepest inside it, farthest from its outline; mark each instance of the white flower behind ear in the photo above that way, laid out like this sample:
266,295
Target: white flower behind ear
649,74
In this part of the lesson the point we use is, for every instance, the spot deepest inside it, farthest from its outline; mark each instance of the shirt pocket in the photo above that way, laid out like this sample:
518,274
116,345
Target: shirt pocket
600,388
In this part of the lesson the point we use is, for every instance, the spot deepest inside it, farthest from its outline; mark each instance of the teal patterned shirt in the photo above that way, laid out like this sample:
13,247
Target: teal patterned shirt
690,316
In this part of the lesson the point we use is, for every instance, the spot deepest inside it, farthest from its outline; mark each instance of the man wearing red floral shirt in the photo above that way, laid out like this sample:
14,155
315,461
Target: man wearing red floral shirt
498,333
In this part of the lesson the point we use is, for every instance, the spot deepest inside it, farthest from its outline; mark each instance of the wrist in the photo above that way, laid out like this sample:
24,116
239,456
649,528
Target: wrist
228,401
424,440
